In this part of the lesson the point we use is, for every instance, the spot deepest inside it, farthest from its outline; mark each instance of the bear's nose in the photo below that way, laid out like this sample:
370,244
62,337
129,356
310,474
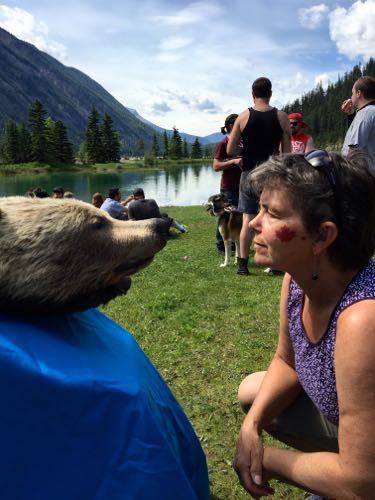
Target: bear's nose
161,227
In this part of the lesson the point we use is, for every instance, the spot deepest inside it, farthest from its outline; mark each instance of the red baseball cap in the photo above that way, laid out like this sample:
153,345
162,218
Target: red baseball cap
298,118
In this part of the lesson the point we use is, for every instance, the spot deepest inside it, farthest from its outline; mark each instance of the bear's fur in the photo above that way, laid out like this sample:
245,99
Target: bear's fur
66,255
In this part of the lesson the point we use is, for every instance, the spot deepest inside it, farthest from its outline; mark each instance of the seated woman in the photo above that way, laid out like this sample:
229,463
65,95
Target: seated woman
316,223
97,200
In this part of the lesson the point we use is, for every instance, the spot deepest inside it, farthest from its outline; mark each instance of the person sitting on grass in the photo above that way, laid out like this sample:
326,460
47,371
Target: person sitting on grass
37,192
141,208
58,192
316,223
97,200
114,206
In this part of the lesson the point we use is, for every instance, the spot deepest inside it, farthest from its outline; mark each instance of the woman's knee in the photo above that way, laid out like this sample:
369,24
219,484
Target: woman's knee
249,388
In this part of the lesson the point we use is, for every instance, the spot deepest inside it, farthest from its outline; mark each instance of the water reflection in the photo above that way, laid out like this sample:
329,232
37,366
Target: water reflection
182,185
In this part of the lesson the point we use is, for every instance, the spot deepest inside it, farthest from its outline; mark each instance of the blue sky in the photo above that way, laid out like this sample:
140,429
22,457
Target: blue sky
190,64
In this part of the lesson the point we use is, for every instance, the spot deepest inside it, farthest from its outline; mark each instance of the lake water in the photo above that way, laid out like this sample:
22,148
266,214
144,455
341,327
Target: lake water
180,186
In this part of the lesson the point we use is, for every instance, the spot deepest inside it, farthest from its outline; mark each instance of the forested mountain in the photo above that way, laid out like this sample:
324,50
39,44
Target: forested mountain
321,108
66,93
69,95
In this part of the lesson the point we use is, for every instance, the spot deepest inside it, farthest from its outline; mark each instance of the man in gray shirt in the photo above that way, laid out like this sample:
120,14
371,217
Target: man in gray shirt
361,133
141,208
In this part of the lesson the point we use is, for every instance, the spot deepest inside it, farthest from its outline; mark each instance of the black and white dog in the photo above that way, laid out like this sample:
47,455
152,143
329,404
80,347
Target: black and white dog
229,221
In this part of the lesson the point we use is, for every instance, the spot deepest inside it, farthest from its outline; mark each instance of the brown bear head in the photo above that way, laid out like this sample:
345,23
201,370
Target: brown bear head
67,255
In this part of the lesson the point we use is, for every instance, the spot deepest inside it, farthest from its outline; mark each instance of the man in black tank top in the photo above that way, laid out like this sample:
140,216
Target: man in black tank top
264,131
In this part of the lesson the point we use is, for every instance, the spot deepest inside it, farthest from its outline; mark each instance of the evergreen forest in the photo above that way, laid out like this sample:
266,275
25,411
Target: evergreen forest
43,140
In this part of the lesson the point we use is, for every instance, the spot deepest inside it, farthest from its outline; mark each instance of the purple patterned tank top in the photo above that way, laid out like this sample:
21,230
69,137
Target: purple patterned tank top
314,363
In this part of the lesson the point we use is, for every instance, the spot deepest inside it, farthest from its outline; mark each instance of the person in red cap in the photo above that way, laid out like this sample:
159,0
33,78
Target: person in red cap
301,143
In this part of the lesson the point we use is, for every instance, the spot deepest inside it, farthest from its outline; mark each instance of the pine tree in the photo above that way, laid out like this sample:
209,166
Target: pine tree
50,146
166,145
110,140
141,147
175,145
196,149
82,154
37,131
208,151
24,143
93,138
63,147
155,146
185,149
10,145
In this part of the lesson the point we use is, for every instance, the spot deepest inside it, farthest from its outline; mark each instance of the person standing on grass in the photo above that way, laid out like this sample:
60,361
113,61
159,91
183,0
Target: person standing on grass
264,131
231,172
361,133
301,142
317,223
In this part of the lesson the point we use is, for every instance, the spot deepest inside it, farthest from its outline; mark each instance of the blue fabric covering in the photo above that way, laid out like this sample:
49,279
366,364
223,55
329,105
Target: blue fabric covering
85,416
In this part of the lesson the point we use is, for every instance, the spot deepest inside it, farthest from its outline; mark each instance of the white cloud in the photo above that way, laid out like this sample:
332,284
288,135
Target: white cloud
23,25
323,79
160,108
168,57
194,13
206,105
175,42
291,88
353,29
195,101
312,17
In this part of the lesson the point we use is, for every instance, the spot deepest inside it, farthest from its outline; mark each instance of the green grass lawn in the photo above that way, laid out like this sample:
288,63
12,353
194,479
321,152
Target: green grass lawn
205,328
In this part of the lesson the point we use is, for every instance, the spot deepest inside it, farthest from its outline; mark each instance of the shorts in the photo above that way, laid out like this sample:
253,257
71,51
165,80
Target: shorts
303,420
231,195
248,201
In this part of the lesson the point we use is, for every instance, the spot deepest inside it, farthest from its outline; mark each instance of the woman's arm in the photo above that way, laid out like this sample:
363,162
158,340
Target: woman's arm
235,135
309,144
279,388
225,164
285,145
350,474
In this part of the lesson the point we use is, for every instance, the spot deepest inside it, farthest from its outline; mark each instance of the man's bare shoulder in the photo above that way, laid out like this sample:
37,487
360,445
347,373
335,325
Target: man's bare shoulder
243,118
282,115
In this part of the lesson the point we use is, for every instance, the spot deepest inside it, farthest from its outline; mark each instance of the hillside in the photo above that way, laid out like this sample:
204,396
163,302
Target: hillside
66,93
321,108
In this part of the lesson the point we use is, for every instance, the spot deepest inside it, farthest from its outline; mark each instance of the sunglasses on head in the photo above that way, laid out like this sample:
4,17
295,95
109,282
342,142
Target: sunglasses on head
294,124
319,159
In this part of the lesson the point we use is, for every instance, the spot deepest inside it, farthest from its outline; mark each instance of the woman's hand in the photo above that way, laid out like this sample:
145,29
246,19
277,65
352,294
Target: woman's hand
248,463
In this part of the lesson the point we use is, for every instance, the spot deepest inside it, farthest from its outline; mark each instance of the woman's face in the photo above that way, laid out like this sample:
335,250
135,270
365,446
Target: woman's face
281,240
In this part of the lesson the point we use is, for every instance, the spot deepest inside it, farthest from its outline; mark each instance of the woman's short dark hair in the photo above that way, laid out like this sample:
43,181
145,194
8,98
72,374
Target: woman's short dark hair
350,203
229,120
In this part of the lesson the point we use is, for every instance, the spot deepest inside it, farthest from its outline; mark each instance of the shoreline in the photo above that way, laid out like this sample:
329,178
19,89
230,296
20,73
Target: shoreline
127,165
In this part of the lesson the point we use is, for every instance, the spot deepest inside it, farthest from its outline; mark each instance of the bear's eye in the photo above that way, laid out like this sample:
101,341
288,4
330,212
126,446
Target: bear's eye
99,223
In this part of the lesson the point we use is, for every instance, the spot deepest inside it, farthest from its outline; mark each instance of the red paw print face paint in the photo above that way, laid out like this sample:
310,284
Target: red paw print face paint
285,234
